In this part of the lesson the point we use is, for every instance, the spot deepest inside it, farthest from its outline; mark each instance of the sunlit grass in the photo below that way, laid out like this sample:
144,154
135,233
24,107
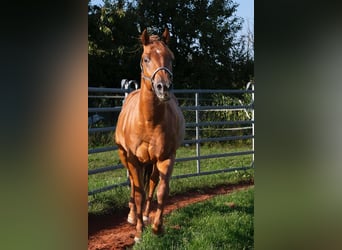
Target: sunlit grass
118,198
223,222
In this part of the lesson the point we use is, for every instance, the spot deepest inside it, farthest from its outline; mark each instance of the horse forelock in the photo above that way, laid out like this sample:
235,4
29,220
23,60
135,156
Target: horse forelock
156,44
154,38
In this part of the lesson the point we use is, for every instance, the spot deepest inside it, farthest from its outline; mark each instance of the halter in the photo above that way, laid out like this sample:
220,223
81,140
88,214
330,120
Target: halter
151,79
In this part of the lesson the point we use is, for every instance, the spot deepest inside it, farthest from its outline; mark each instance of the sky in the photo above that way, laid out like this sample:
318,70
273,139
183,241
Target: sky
245,10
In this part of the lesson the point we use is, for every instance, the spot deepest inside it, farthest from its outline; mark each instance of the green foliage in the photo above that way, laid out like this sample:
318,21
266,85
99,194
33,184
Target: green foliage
220,99
204,40
112,43
228,115
100,139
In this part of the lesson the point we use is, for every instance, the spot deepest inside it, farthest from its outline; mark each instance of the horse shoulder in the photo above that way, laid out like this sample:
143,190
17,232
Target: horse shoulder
170,134
178,119
125,129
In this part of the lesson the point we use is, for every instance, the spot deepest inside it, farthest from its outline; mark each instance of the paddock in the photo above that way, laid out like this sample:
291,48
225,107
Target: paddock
222,116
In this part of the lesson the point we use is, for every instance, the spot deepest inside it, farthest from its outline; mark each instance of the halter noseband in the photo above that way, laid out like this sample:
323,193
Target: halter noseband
151,79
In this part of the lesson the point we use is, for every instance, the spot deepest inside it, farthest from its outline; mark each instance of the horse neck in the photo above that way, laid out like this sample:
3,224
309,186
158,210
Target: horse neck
149,106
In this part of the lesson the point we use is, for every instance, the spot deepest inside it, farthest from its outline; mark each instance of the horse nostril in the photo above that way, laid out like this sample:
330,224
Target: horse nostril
159,86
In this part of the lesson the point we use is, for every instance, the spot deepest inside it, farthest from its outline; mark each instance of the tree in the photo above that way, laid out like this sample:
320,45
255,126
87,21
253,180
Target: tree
203,33
208,53
112,43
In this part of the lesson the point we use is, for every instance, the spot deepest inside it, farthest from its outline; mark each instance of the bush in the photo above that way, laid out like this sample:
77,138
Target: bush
220,99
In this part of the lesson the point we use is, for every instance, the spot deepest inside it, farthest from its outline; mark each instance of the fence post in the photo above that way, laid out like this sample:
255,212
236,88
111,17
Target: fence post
198,153
251,83
253,119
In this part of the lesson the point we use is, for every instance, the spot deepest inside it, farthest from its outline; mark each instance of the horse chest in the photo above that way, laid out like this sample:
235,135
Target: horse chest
152,149
149,136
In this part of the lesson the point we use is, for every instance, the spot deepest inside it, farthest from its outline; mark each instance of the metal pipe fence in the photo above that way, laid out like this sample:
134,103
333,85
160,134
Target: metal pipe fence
209,114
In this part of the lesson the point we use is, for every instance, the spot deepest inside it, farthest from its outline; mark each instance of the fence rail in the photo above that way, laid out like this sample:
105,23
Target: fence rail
117,95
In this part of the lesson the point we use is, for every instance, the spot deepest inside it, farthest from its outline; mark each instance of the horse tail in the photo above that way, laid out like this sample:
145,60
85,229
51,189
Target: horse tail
147,176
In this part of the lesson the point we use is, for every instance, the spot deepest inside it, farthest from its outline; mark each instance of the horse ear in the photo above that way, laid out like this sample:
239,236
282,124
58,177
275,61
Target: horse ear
145,38
166,36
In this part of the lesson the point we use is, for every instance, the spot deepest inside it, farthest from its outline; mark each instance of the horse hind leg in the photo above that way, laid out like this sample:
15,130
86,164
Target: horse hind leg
153,182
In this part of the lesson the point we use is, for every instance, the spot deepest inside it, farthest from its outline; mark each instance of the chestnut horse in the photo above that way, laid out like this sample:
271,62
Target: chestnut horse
150,128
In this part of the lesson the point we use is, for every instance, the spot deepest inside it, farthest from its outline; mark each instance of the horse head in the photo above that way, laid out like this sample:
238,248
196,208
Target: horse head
156,64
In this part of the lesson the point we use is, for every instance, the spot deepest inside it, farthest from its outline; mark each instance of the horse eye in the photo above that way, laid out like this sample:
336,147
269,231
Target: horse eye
146,59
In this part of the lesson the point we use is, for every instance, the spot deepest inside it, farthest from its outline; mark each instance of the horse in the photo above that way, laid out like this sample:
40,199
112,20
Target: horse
149,130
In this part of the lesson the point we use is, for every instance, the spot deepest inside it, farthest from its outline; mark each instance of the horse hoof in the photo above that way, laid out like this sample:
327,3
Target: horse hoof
131,220
137,240
146,218
158,230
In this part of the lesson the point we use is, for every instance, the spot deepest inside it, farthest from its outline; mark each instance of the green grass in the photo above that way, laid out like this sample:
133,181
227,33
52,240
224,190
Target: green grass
214,224
118,198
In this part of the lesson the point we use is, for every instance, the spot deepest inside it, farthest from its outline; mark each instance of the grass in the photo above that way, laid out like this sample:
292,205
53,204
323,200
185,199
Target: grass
224,222
112,200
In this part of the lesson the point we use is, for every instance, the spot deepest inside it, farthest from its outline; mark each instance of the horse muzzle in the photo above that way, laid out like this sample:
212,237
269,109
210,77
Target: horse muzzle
163,91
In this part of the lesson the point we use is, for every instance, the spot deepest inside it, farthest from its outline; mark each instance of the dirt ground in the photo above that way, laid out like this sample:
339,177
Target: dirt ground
113,232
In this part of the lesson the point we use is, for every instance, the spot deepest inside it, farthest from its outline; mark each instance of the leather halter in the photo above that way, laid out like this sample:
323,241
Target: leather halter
151,79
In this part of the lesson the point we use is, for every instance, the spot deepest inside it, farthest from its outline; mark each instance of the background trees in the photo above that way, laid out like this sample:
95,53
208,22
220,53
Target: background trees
204,40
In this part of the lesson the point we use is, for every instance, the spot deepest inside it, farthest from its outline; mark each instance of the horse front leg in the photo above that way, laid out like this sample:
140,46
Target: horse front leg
136,173
131,204
132,217
152,186
165,170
